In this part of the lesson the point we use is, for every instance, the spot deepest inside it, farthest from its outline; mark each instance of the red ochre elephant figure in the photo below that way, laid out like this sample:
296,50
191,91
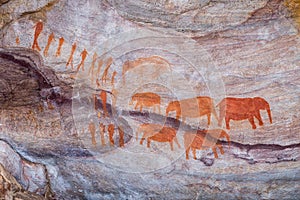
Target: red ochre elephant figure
146,99
243,108
193,108
159,133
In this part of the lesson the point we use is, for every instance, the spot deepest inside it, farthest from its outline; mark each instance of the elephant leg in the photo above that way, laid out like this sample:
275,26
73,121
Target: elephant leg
171,144
176,141
221,117
258,116
136,105
141,108
187,152
178,115
221,148
194,153
215,152
227,120
142,140
251,120
148,142
208,118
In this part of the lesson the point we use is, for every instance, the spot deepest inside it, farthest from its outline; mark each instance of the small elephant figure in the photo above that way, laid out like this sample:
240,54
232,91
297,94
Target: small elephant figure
204,139
159,133
243,108
146,99
157,62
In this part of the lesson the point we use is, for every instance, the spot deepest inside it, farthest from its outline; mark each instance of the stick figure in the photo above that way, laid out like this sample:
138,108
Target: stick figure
95,101
111,130
100,63
113,78
121,137
91,70
38,29
60,43
50,39
102,130
103,97
70,60
98,83
92,130
83,57
108,64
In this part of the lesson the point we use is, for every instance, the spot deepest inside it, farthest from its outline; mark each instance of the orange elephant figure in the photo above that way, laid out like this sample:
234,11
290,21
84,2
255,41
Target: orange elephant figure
159,133
146,99
204,139
160,63
243,108
148,130
193,108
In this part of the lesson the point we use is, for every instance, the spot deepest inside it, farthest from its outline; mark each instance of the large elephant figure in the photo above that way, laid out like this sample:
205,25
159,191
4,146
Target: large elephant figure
243,108
193,108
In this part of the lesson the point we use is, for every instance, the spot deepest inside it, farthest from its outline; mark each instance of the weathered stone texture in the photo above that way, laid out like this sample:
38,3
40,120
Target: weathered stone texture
53,112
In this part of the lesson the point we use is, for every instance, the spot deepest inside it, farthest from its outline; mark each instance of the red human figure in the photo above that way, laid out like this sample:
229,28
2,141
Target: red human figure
108,64
91,70
100,63
121,137
98,83
92,130
70,60
113,78
103,97
95,101
83,57
111,130
50,39
60,43
102,130
38,29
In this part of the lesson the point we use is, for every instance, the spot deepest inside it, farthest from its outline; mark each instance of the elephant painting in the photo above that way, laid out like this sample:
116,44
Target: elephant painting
159,133
146,99
243,108
193,108
204,139
159,63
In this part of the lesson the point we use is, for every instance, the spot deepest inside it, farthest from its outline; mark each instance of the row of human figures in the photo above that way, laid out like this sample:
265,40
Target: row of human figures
94,70
96,64
231,108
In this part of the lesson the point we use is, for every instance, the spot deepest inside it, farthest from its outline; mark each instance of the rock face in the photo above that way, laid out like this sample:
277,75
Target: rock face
170,99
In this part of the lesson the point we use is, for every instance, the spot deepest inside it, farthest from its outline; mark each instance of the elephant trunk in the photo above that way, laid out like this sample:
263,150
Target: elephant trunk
269,114
167,111
130,102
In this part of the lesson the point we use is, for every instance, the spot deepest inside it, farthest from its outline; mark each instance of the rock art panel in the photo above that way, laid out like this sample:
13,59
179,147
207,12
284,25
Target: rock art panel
237,61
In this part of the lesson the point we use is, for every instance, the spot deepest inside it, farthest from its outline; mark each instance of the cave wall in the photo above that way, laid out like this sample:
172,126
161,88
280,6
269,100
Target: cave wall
82,80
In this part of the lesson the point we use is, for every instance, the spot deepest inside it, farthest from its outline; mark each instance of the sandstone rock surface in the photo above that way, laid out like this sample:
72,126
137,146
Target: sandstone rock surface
68,120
